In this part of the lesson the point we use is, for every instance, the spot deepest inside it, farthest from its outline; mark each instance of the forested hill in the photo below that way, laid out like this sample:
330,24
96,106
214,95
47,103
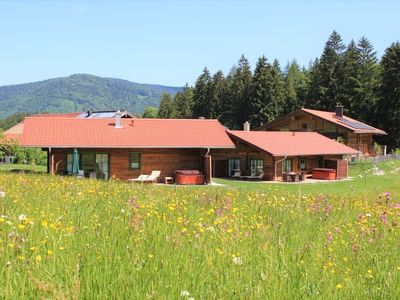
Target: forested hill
80,92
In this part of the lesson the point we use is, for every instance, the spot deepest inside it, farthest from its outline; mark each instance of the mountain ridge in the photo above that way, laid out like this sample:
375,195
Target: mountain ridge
79,92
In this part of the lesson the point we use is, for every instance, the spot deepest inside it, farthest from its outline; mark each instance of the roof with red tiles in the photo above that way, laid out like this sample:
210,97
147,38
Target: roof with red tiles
347,122
135,133
344,122
281,143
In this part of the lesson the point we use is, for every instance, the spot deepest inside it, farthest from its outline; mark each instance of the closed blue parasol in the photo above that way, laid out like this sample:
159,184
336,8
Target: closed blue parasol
75,162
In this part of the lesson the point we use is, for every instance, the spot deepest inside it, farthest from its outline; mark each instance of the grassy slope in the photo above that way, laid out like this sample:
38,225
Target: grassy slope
86,239
362,181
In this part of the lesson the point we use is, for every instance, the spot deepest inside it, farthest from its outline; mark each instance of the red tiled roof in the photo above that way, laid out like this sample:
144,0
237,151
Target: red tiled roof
135,133
281,143
14,133
331,117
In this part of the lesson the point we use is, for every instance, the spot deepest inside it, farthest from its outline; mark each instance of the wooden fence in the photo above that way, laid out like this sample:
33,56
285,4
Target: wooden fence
380,158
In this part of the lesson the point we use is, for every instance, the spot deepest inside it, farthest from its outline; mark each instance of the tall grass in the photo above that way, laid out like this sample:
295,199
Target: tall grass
71,238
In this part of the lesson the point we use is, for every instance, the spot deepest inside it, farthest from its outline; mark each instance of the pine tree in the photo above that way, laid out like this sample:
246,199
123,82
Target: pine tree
201,101
327,74
277,92
240,87
183,103
260,92
165,109
348,95
313,93
267,95
389,103
296,87
217,94
369,81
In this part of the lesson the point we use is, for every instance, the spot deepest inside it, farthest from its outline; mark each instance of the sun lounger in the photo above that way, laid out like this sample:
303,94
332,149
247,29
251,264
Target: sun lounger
153,177
236,174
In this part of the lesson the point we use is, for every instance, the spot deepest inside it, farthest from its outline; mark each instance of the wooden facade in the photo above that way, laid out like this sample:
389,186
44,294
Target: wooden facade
165,160
362,142
273,166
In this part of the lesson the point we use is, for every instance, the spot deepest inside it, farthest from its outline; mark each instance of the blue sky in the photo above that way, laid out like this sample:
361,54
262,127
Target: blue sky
170,42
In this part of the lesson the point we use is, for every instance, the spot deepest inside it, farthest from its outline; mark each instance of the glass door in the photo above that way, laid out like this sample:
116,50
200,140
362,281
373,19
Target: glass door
233,166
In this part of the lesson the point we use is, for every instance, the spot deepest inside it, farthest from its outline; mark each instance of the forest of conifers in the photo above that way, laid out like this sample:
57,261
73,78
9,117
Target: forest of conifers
352,75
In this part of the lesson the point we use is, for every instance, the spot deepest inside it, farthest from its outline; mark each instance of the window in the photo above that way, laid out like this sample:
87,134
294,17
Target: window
90,163
101,165
69,163
134,160
256,165
305,127
302,163
287,165
233,166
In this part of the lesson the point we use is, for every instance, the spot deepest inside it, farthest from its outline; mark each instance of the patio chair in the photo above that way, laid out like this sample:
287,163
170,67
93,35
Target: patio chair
139,179
249,177
153,177
258,176
236,175
81,174
147,178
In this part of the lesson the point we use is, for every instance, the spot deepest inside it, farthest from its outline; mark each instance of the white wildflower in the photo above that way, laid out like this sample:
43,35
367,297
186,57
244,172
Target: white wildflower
22,217
368,214
2,194
237,260
191,298
185,294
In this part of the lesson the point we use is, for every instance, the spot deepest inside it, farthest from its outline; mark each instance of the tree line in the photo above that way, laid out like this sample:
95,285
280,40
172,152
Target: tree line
352,75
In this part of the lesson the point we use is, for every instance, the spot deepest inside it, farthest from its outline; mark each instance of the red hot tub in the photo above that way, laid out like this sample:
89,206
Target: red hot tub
189,177
324,173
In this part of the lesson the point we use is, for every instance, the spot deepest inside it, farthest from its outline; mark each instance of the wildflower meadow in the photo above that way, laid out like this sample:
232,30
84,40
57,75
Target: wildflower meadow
67,238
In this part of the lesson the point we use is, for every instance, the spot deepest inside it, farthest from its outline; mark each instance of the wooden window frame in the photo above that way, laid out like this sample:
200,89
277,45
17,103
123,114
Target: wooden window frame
305,163
130,159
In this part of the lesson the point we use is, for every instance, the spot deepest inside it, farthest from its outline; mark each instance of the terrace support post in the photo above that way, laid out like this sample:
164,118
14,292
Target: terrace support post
51,161
208,168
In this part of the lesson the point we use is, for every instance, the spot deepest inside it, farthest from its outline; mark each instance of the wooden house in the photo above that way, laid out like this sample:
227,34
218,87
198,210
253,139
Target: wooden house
126,148
275,153
334,125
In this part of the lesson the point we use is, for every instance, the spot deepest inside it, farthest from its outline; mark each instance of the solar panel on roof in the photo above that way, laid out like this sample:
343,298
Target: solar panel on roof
356,125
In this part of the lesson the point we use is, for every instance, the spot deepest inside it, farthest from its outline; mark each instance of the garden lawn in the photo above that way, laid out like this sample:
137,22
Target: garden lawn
62,237
22,167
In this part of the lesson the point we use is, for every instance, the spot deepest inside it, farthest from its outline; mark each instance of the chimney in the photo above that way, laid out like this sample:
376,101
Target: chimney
89,112
118,123
201,118
339,111
246,126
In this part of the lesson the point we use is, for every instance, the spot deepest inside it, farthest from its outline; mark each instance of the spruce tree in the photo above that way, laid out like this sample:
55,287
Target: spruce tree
201,101
260,93
240,87
165,109
218,95
389,103
327,75
296,87
277,92
369,81
183,103
349,93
